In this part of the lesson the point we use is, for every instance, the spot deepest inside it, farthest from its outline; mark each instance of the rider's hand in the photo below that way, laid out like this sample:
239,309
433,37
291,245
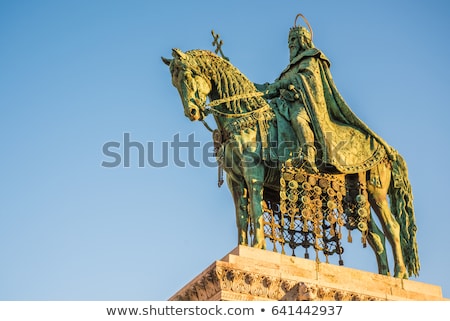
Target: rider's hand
272,91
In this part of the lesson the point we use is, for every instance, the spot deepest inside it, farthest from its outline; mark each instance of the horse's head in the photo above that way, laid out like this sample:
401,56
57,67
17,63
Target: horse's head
192,85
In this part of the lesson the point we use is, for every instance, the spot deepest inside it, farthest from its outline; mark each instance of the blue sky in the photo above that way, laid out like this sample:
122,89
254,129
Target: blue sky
75,75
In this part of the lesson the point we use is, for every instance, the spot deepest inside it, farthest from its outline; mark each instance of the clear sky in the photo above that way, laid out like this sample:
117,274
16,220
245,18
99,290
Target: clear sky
76,75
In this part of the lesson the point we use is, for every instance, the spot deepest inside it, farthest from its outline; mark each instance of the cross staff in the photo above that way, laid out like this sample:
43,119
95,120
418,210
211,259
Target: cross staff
218,44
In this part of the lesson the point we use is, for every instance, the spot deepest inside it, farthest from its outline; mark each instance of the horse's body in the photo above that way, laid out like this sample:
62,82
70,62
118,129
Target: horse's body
246,126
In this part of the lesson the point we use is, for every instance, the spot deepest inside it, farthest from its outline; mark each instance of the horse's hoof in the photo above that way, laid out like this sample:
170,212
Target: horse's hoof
260,245
384,270
401,274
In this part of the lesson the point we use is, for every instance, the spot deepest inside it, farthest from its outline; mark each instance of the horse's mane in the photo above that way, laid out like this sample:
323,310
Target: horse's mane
229,81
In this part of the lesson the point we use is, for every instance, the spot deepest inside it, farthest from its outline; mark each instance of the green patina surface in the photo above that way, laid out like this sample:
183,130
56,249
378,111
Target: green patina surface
302,120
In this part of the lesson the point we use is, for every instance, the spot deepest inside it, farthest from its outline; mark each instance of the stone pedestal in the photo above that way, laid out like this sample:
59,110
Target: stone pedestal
248,274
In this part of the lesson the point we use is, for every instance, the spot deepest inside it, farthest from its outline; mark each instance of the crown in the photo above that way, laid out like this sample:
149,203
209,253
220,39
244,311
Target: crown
302,31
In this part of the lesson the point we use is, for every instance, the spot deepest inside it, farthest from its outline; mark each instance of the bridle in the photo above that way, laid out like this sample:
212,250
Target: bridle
212,110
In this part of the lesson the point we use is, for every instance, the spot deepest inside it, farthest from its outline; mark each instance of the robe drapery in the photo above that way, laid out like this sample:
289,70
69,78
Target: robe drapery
342,139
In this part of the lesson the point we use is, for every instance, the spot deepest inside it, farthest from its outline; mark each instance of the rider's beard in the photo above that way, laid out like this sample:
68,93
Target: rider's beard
293,52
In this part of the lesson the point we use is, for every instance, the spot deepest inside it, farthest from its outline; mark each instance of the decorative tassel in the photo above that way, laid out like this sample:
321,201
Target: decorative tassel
219,176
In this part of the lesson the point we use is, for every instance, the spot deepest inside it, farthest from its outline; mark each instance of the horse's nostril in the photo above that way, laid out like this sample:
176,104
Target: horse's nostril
193,111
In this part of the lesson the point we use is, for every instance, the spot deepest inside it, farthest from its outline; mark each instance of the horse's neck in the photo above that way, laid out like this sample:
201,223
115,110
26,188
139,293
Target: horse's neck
221,112
234,98
231,86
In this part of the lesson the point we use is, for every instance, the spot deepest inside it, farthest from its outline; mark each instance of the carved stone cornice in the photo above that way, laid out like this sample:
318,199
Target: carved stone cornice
248,274
234,283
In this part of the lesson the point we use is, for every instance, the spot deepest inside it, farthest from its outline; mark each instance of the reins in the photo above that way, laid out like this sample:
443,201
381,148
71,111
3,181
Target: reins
217,102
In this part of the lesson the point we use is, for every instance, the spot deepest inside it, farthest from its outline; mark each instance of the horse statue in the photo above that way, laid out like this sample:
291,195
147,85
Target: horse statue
252,151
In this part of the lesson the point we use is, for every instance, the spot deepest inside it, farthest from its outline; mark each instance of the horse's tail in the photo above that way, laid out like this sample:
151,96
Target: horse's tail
401,202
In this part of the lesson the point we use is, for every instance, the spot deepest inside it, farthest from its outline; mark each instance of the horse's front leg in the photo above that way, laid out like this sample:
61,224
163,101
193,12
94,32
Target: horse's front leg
239,193
254,176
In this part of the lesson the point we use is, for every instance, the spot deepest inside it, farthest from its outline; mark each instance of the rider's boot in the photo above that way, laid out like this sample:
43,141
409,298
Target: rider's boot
297,159
309,157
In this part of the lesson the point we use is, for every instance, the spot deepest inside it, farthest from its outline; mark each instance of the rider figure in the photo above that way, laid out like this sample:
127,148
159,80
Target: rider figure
287,88
327,129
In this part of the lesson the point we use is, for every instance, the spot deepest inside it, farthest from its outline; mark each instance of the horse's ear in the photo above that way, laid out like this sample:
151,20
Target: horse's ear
177,53
166,61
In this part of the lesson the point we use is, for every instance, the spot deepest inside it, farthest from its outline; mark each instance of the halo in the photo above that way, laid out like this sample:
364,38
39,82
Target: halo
306,21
